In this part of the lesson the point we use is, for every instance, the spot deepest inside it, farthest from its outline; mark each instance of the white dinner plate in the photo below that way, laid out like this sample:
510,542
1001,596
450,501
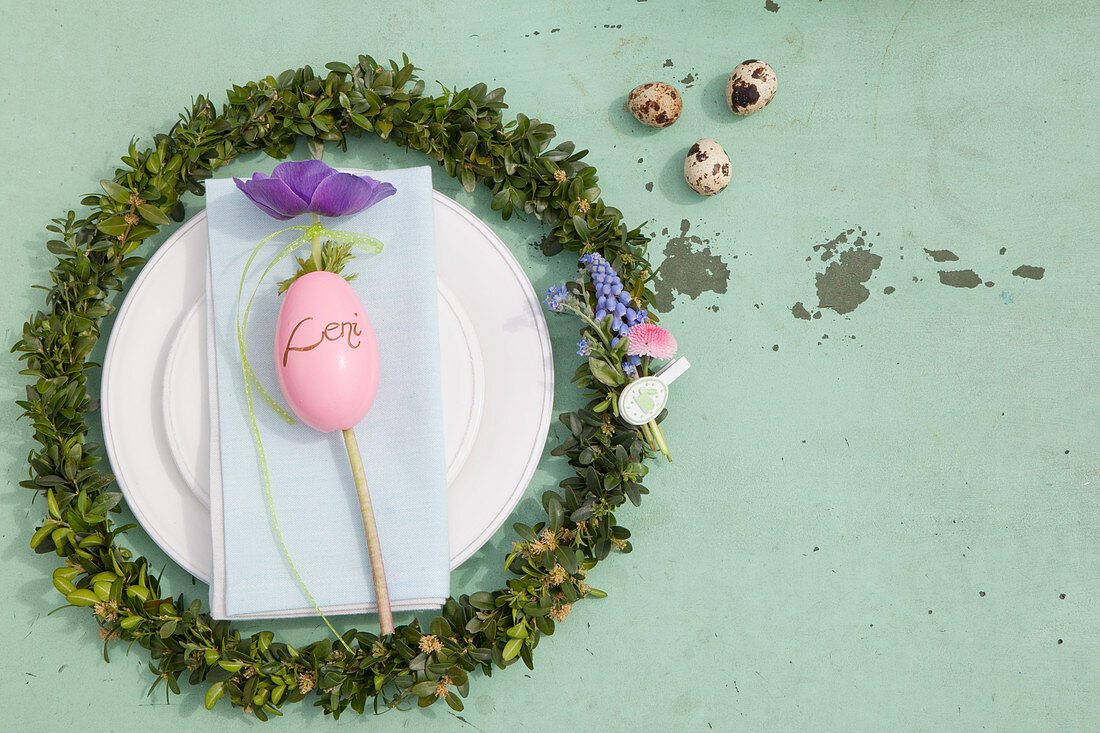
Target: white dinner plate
498,386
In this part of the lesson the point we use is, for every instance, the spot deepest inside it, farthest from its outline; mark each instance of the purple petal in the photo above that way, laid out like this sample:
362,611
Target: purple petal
303,176
273,196
381,190
344,193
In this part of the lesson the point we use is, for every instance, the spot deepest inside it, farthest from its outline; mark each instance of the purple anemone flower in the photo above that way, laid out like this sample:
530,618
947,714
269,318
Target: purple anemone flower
310,186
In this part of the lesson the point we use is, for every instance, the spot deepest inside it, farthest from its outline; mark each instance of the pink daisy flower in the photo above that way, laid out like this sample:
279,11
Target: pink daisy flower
649,339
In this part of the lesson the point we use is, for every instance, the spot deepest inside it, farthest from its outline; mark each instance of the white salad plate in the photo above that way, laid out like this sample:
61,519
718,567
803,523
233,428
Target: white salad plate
497,387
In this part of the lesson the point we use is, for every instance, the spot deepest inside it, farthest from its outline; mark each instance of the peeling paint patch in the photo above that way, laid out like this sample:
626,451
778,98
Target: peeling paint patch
1030,272
960,278
840,287
689,268
851,263
829,249
942,255
770,6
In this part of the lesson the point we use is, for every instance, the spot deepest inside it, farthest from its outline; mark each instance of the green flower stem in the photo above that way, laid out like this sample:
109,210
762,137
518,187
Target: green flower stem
589,320
594,326
647,433
659,436
652,430
381,590
316,219
316,245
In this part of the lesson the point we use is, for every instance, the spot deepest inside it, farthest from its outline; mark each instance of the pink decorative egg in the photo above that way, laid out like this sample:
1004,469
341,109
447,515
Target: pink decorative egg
326,355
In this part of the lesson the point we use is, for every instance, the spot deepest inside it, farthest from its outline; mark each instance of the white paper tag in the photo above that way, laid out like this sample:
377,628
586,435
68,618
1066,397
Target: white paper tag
643,399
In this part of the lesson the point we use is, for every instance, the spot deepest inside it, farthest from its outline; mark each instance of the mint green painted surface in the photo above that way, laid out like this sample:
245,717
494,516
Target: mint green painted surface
872,532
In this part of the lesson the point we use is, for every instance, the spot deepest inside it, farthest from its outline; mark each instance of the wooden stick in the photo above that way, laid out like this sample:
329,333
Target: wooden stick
381,591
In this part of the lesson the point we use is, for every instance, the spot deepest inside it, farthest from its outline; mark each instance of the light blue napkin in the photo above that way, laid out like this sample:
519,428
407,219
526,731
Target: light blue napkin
401,438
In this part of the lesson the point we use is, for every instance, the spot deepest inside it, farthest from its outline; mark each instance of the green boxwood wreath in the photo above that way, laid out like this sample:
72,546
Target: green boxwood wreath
463,131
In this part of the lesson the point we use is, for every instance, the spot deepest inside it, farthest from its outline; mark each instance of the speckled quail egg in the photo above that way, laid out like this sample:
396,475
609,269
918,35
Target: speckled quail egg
655,104
750,87
707,167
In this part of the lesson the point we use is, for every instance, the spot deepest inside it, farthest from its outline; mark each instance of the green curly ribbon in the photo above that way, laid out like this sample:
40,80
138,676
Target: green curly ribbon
251,381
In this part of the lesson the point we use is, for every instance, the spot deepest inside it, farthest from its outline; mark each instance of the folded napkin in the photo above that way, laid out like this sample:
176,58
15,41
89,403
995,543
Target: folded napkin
401,438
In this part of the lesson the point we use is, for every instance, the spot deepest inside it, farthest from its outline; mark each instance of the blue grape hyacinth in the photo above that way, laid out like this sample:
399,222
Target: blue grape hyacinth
555,298
612,299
